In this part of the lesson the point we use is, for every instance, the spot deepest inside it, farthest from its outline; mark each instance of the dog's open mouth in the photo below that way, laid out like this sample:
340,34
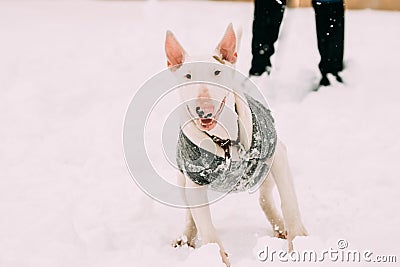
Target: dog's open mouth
206,121
207,124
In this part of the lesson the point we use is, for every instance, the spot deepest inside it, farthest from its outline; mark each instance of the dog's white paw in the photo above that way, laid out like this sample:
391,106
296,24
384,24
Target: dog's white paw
184,240
279,231
280,234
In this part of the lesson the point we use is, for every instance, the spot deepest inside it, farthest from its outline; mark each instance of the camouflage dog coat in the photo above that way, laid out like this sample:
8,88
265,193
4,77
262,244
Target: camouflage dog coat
226,175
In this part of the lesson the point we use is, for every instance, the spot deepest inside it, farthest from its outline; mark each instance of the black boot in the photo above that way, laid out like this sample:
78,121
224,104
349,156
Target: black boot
329,18
259,67
324,81
338,78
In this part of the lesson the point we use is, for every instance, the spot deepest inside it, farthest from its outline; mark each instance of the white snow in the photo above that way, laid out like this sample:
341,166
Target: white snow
67,73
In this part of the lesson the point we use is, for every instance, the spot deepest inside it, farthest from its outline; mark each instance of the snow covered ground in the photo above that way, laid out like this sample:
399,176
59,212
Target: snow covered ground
67,73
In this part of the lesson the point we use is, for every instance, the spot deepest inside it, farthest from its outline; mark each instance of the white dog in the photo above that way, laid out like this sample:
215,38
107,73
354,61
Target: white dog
208,134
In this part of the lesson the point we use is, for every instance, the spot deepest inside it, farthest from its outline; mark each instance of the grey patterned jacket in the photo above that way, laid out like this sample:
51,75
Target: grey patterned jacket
225,175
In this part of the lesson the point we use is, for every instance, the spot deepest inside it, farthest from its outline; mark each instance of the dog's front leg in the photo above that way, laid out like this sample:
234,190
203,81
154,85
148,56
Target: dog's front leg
202,217
284,181
190,233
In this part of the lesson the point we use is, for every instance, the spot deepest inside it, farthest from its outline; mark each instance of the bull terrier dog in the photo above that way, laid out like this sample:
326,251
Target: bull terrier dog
228,142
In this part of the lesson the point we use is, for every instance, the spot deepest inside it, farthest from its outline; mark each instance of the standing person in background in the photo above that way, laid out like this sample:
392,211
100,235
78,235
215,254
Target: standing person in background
329,19
268,16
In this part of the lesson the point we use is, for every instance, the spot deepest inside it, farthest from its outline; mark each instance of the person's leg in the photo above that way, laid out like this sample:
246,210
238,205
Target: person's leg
268,16
336,47
322,27
329,18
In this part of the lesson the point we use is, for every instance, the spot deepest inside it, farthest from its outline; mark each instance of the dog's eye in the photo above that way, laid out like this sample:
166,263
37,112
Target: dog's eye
188,76
217,72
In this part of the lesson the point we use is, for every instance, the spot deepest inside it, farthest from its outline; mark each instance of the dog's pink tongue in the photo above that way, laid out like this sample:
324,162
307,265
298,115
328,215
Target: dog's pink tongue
206,124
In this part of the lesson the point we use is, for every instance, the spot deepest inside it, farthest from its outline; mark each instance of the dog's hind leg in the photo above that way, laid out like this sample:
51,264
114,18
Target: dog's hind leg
267,204
190,233
284,181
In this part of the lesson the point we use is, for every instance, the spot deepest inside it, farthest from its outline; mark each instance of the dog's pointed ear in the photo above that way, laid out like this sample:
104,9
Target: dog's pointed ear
227,47
174,51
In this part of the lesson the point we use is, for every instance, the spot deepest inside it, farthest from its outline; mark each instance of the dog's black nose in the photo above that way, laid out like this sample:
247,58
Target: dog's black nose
199,112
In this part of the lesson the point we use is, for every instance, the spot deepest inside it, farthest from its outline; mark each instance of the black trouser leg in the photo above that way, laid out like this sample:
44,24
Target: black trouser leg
268,16
329,18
